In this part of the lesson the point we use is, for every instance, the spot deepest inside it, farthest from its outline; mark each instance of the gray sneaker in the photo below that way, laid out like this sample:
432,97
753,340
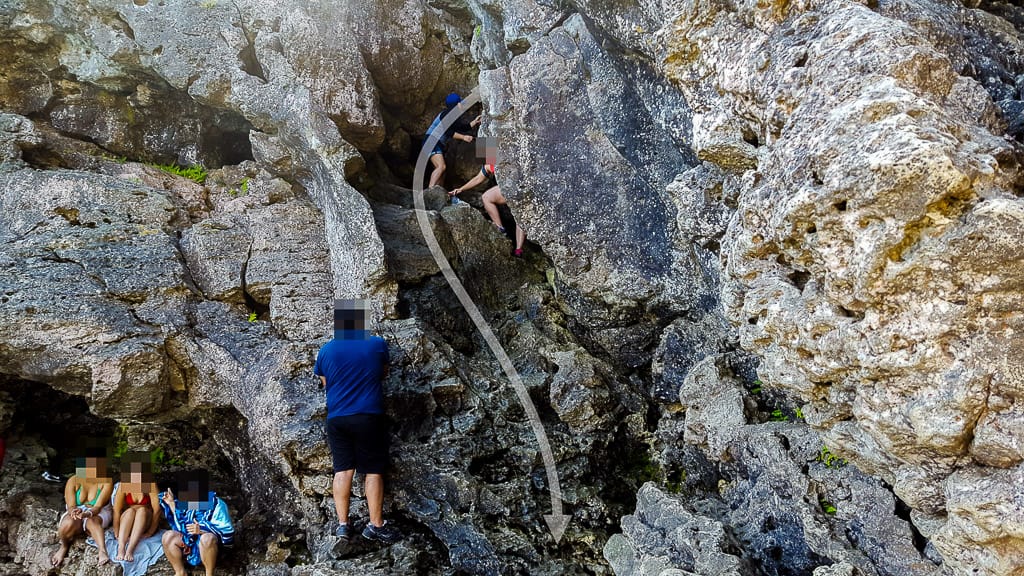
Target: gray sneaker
387,533
344,531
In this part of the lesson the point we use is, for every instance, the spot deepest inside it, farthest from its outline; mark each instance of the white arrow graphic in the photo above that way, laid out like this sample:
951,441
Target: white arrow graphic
557,521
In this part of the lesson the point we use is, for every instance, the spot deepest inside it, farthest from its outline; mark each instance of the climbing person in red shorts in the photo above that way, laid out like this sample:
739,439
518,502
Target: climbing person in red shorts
492,198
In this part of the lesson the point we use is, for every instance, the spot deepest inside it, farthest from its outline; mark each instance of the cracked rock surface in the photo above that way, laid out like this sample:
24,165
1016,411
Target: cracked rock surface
769,313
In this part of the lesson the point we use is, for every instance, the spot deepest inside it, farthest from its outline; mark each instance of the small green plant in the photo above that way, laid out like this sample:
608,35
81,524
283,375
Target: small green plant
162,458
195,173
829,459
827,507
552,277
120,441
242,190
252,316
209,4
675,483
799,413
478,30
778,416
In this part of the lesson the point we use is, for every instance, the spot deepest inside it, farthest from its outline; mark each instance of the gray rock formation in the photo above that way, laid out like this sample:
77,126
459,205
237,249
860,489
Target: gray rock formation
767,238
849,270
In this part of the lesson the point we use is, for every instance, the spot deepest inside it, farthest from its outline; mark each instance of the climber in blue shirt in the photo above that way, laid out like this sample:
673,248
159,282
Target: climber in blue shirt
452,104
351,368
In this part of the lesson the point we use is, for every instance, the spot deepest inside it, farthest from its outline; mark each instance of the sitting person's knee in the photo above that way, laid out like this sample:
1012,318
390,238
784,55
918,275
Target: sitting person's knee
170,538
207,540
66,530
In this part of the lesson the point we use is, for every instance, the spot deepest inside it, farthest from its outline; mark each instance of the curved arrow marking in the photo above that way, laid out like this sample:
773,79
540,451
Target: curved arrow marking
557,521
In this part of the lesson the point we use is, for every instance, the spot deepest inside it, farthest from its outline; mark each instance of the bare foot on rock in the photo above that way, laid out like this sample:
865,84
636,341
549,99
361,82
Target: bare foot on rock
104,558
58,556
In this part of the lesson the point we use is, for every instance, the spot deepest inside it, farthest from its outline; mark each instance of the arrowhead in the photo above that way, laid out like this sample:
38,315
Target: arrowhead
557,524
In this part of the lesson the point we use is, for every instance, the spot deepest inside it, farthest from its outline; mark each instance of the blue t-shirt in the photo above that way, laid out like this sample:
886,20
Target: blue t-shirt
353,368
460,126
440,137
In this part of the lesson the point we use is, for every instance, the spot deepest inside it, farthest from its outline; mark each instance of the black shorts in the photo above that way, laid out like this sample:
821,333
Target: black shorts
360,441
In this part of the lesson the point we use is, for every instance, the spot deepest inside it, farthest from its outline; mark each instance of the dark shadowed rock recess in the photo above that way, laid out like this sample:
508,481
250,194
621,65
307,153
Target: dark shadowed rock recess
769,313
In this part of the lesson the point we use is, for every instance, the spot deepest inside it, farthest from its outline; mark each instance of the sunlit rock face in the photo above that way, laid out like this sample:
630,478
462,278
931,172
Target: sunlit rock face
870,263
768,314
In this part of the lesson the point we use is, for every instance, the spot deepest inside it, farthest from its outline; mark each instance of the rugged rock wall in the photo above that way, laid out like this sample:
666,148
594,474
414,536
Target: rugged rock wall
861,262
870,151
768,236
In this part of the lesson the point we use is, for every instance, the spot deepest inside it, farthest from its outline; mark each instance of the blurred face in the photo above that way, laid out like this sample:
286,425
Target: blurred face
91,467
137,477
194,490
487,150
350,318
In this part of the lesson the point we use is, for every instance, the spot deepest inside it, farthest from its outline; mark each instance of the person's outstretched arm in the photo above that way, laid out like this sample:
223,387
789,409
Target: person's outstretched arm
473,183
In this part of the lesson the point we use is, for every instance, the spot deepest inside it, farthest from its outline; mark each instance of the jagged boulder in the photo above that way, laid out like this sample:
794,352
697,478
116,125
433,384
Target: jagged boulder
879,191
663,536
596,199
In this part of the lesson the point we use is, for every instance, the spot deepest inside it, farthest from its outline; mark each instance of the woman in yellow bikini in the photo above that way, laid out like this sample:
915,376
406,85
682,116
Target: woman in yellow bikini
87,498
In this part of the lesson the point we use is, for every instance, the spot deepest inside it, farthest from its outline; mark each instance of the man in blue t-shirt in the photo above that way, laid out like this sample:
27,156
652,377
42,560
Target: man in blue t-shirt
351,368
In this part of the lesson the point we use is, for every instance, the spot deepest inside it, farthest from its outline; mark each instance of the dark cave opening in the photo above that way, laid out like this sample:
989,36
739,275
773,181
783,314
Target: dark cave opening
396,164
60,420
45,429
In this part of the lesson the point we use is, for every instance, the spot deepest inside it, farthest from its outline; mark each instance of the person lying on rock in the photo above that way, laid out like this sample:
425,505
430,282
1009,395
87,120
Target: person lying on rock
492,198
136,506
200,523
351,368
87,499
458,130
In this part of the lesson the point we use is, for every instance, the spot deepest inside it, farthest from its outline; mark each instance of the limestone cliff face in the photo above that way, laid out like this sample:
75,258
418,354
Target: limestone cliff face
769,238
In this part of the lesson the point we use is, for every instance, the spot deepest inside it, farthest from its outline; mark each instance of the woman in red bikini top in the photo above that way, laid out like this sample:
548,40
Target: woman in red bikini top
136,506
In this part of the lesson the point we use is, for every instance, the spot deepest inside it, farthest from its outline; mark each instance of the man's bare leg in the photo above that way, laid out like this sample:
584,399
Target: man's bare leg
491,199
67,531
172,549
439,167
375,498
94,526
342,491
138,529
124,531
520,237
208,552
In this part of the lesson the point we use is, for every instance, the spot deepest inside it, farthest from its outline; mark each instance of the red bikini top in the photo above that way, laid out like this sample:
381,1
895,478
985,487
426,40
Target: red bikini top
131,501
